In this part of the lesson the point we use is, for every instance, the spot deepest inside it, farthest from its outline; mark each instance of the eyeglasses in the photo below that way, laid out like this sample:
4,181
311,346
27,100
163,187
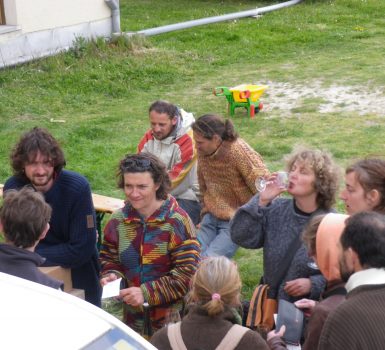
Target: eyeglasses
136,164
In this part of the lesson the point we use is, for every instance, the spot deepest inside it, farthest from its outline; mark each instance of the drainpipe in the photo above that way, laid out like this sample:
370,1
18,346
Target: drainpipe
215,19
115,15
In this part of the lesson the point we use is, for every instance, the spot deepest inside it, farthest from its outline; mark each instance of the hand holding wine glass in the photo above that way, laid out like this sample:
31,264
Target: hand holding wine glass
272,186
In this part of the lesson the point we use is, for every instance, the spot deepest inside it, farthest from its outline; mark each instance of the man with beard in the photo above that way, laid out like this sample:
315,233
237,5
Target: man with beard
38,161
170,138
358,323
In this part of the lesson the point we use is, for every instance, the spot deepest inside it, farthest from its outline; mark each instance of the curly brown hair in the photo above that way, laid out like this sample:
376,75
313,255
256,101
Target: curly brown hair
327,173
32,142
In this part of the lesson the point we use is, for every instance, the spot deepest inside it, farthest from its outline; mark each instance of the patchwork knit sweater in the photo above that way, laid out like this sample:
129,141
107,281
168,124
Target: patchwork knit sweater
159,254
227,178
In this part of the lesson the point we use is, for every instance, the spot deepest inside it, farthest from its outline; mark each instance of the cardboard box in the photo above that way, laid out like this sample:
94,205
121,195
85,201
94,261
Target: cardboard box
59,273
77,293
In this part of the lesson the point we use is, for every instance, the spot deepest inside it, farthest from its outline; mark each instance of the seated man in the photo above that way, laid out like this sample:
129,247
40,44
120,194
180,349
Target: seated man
24,219
170,139
227,170
37,161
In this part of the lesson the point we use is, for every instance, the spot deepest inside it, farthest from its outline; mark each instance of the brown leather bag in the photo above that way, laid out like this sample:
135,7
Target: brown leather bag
261,311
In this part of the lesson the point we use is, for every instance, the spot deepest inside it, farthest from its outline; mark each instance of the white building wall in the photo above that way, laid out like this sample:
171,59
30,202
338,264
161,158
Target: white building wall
46,27
35,15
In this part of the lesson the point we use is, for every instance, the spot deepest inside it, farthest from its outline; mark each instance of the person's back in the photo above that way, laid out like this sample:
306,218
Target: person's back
212,312
360,321
24,219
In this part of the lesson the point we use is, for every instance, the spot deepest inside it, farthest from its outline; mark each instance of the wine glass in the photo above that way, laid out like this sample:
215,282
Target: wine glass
313,265
147,327
282,180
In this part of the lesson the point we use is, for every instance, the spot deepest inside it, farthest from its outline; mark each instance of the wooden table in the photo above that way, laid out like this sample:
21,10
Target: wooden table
103,205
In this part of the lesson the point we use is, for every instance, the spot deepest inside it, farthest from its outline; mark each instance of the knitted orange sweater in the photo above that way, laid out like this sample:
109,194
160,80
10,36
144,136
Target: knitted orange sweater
227,178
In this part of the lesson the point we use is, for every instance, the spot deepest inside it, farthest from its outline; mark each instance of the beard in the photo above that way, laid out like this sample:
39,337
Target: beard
344,270
41,181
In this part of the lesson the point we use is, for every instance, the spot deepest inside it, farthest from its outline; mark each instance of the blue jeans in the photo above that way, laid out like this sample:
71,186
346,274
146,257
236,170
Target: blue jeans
192,208
214,236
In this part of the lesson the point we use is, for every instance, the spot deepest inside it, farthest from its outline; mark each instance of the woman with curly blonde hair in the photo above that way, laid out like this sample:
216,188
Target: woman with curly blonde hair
275,224
211,319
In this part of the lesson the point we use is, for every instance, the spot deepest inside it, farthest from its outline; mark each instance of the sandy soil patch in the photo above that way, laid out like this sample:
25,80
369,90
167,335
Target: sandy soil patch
358,99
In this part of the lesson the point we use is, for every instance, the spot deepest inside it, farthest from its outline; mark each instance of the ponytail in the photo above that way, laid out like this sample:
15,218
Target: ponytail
209,125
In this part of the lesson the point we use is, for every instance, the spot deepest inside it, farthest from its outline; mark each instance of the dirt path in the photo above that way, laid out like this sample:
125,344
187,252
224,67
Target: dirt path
288,97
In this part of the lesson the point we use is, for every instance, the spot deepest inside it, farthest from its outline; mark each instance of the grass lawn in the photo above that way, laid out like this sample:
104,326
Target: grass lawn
323,62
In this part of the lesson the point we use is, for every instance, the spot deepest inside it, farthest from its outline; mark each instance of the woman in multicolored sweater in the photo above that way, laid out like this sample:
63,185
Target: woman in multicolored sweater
150,243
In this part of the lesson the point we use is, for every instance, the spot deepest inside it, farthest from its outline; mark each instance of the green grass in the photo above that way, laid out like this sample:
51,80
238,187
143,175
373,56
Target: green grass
102,90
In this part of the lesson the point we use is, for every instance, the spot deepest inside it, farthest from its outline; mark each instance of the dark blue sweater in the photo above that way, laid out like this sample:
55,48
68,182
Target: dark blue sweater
71,239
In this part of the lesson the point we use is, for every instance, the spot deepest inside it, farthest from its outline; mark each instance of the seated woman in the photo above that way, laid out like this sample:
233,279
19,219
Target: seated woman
150,243
275,224
322,237
211,316
365,186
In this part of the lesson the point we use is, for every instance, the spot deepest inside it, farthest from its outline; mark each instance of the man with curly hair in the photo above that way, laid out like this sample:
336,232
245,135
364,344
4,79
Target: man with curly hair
38,161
